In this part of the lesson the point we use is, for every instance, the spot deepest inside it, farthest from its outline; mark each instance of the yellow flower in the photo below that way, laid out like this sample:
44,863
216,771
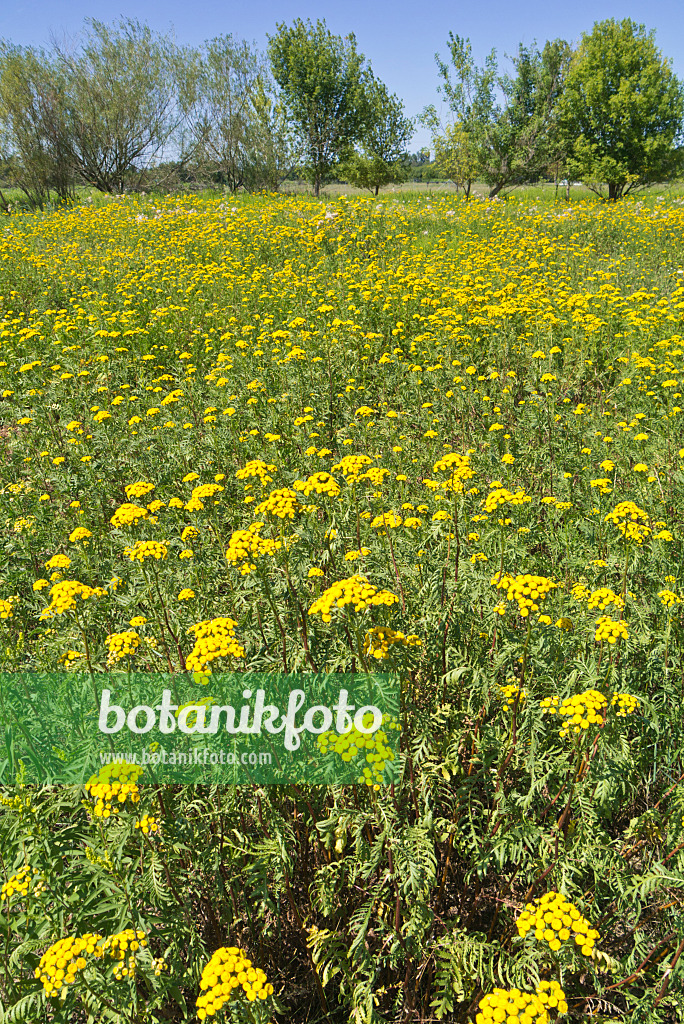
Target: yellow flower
355,591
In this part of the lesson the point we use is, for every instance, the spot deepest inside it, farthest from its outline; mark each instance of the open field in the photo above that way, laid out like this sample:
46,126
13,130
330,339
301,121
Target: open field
260,408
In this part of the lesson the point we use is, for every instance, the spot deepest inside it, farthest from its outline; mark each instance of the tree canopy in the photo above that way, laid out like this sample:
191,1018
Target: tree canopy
323,80
622,109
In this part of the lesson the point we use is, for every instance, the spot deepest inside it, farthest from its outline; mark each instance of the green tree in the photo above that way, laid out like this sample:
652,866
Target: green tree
128,95
323,79
383,158
456,157
32,139
228,78
274,150
509,142
622,111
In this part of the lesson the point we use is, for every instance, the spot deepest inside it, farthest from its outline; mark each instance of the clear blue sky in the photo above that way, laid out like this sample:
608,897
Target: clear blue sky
399,38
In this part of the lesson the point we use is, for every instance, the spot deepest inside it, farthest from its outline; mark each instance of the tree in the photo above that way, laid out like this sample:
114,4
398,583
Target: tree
622,110
244,137
32,138
456,156
228,76
274,151
322,78
509,143
383,158
128,94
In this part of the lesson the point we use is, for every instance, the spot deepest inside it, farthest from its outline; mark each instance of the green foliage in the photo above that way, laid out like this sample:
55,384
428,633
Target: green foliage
323,79
242,133
505,145
622,110
541,339
456,157
383,158
32,144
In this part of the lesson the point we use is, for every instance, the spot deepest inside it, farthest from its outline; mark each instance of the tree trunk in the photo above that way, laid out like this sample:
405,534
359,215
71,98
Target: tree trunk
377,189
567,189
495,189
612,190
317,185
467,188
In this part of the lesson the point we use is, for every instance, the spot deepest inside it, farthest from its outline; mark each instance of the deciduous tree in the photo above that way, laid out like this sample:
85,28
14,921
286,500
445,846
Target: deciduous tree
509,142
323,79
622,110
383,158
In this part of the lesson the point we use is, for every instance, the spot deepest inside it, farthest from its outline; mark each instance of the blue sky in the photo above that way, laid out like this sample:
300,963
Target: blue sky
399,38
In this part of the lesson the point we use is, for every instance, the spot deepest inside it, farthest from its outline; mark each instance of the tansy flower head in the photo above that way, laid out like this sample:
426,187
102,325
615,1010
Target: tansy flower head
229,973
355,591
555,920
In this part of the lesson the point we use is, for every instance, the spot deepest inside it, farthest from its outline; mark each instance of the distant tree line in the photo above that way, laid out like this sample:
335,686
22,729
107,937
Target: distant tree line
127,108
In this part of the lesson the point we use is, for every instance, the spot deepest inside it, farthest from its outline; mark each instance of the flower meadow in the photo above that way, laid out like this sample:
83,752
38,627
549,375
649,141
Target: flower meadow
428,436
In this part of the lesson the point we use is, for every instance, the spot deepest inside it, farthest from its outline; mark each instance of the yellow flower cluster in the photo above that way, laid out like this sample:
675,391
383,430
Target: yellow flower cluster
228,972
631,521
138,490
122,945
610,629
525,590
356,591
580,711
458,467
143,549
58,562
69,657
21,804
122,645
351,466
60,963
509,693
626,704
207,490
127,515
375,475
246,544
580,592
25,879
282,503
669,598
604,596
319,483
148,824
502,496
380,639
112,786
354,742
256,468
63,597
25,524
80,533
516,1007
387,519
214,638
5,608
555,920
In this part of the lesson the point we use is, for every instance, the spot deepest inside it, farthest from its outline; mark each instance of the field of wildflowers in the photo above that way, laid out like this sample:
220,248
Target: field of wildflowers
436,437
